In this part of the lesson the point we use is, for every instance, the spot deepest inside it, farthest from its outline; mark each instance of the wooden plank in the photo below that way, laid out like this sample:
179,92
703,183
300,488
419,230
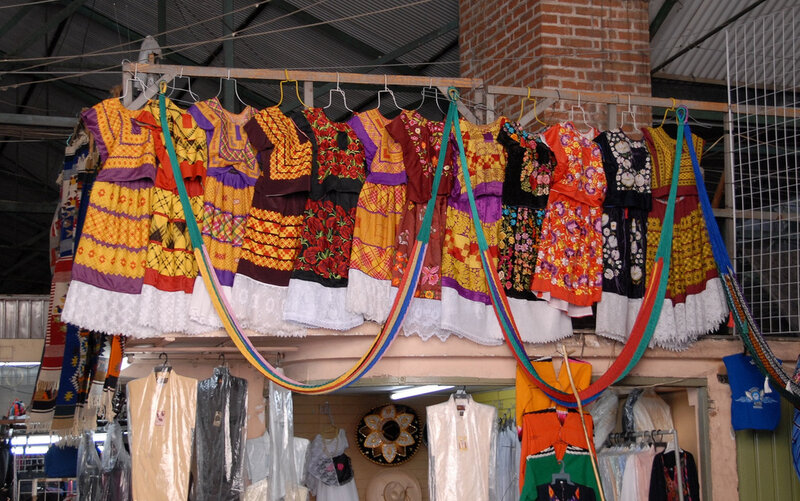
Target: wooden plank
314,76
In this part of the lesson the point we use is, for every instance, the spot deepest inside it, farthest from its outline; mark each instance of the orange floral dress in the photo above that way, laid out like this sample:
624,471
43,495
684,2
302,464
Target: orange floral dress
569,271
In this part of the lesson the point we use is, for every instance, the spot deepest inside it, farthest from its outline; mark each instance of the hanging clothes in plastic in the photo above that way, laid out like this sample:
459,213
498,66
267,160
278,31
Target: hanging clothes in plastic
259,454
284,474
116,465
462,437
508,458
329,472
161,418
221,426
90,471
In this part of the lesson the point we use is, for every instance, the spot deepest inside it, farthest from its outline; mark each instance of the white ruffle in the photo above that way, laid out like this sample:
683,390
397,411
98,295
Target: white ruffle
313,304
423,318
101,310
679,325
369,297
167,311
616,315
259,307
201,309
470,319
538,322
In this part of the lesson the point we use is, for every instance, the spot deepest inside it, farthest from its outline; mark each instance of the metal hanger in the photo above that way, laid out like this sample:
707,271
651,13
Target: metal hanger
435,93
583,111
630,112
296,88
173,88
387,90
340,91
164,367
671,108
236,89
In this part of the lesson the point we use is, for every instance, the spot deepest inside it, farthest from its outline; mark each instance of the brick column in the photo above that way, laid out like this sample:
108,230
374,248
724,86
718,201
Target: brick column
579,45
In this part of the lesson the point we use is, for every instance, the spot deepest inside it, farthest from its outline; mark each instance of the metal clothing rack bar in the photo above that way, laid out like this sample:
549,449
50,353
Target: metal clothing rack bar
676,450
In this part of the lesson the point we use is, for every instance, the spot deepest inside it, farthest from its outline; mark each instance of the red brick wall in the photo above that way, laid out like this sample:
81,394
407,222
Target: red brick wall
578,45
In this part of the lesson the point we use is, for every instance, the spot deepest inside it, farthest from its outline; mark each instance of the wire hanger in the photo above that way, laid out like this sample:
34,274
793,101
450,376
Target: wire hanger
296,88
173,88
671,108
583,111
134,78
522,108
387,90
340,91
630,111
236,89
434,92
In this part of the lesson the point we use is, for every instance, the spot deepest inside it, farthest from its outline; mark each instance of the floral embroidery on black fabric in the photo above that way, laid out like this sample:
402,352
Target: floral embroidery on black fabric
339,151
326,240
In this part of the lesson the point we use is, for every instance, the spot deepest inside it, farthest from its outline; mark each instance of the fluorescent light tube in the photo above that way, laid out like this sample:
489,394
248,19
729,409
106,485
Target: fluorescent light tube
418,390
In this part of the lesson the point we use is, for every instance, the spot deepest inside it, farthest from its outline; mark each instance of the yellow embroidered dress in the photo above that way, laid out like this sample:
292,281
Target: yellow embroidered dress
171,266
695,302
466,305
231,174
110,259
380,207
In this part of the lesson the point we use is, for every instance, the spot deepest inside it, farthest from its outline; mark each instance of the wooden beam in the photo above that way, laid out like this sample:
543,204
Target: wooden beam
278,74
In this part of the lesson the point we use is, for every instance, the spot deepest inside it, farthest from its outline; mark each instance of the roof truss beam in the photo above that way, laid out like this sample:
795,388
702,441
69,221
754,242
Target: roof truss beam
661,16
51,23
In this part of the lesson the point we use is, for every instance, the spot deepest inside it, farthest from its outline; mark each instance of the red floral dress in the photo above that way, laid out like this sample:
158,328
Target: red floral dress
320,271
570,259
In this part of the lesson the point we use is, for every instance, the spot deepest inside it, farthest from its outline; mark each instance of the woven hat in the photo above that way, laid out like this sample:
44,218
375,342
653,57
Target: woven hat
393,485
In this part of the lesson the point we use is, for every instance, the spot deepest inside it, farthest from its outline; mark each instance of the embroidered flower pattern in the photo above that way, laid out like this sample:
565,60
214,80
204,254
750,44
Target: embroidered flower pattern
326,239
340,152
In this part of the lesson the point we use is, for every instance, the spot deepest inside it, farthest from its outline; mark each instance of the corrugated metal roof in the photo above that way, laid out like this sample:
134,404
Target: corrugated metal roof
23,317
689,21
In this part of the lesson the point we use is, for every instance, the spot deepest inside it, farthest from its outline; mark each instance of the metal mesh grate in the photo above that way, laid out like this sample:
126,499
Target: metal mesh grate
763,60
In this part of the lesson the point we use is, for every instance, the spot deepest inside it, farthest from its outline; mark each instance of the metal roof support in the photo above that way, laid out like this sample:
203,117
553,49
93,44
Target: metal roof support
708,35
335,33
175,58
661,16
51,23
15,19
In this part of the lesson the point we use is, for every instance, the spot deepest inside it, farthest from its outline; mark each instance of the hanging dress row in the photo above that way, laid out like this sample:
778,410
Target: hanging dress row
309,223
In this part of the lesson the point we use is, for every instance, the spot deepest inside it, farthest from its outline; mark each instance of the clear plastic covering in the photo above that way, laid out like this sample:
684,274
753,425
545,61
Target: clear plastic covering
89,470
651,412
462,452
284,480
604,416
161,417
219,437
116,466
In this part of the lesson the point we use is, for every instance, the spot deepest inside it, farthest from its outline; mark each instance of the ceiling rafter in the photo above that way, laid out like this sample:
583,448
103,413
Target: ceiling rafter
51,23
661,16
174,57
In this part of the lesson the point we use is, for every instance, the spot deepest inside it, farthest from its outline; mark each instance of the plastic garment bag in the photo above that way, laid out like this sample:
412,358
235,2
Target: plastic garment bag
283,480
219,437
161,417
116,466
462,438
651,412
604,416
89,470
